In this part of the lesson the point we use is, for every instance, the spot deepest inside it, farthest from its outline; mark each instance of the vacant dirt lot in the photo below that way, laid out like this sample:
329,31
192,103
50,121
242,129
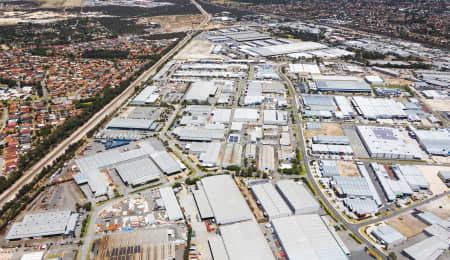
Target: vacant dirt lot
198,49
430,173
406,224
327,129
175,23
348,169
439,105
440,207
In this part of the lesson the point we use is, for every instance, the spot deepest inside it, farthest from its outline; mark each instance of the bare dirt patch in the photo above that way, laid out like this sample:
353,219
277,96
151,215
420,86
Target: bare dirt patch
174,23
440,207
438,105
327,129
198,49
348,169
406,224
430,172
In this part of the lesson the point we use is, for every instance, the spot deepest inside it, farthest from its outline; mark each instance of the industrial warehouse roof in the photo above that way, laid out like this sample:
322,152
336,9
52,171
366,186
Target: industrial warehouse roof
138,171
217,247
225,199
202,203
392,188
200,91
233,154
373,108
200,133
245,115
173,210
297,197
413,176
343,86
128,123
304,68
429,218
43,224
329,139
246,36
351,186
90,166
245,241
221,116
434,141
428,249
329,168
33,256
275,117
271,201
307,237
388,235
146,96
387,142
287,48
319,102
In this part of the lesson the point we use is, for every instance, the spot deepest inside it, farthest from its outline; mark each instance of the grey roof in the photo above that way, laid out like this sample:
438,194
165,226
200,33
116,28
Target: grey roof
43,224
199,133
429,218
165,162
328,139
225,199
138,171
388,235
434,141
361,205
171,204
202,203
343,86
271,201
319,102
313,125
245,241
200,91
275,117
307,237
329,168
412,175
146,95
428,249
217,248
288,48
127,123
351,186
247,36
297,197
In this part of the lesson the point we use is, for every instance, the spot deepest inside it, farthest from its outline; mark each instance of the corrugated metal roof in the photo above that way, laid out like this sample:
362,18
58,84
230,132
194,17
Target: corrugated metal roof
138,171
171,204
271,201
297,197
202,203
307,237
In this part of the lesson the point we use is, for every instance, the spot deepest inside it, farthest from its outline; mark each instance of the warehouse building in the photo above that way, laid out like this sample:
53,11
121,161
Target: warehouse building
91,166
304,69
250,151
170,201
193,121
217,248
329,168
44,225
227,209
388,236
387,143
208,153
244,36
378,108
131,124
331,149
429,218
232,155
275,117
138,171
319,102
428,249
271,201
328,139
411,175
245,115
221,116
267,158
288,48
244,241
207,133
343,86
200,91
148,95
374,80
445,177
392,188
202,203
344,107
307,237
435,142
297,197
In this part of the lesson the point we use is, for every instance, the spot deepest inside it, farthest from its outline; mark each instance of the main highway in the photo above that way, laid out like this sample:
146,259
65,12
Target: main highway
116,103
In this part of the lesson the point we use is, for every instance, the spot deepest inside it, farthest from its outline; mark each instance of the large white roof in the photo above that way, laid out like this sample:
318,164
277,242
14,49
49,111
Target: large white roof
271,200
245,241
307,237
226,201
171,203
297,197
